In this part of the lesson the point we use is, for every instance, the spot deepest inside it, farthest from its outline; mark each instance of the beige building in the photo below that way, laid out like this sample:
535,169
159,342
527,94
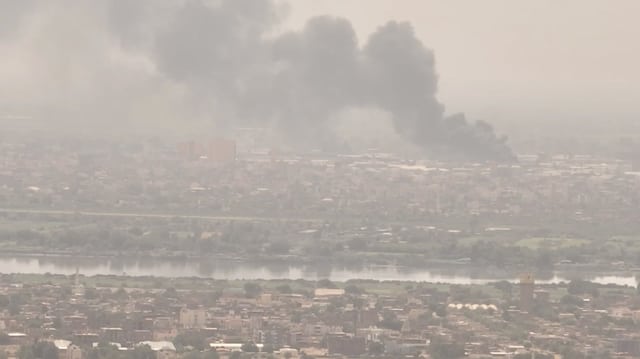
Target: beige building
67,350
328,292
74,352
192,318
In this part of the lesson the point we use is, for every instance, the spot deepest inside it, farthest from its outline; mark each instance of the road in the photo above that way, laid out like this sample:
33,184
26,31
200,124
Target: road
155,215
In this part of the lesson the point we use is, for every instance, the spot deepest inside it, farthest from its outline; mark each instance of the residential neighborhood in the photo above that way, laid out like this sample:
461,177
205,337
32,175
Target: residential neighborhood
322,319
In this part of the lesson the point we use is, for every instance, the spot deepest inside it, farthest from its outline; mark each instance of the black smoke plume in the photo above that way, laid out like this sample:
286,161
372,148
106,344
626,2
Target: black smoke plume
233,65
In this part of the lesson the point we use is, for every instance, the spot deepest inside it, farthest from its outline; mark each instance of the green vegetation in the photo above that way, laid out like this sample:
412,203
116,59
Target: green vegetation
336,240
537,243
39,350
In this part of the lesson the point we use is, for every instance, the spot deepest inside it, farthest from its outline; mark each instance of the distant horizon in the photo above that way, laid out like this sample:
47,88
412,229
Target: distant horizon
517,61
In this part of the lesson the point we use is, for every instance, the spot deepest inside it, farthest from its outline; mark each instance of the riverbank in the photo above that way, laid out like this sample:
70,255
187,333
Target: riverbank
305,288
416,262
238,269
301,286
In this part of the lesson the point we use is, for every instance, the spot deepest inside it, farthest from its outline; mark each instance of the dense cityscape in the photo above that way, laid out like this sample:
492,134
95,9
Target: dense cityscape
51,316
212,202
168,199
319,179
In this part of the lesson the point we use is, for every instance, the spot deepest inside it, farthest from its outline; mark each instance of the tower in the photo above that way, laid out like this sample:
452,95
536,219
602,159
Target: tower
78,288
527,284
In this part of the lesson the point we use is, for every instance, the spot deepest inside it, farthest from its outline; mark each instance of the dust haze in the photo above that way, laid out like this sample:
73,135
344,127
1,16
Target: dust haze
173,67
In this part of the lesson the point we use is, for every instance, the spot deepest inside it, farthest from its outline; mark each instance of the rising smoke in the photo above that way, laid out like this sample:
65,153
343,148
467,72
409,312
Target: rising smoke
227,61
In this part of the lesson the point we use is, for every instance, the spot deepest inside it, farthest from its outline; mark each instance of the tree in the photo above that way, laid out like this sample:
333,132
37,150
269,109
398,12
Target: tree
284,289
439,309
90,293
325,283
578,287
142,352
190,339
14,308
442,350
25,352
504,286
571,301
249,347
4,339
171,292
506,316
191,355
279,247
353,289
358,245
376,348
544,259
46,350
104,350
390,321
530,355
252,290
210,354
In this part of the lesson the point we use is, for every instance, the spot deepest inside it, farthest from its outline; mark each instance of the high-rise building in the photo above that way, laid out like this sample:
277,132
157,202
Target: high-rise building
78,288
193,318
188,150
220,150
527,286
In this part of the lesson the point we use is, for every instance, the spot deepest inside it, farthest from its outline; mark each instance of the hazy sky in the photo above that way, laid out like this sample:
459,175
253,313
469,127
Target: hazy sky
508,62
510,59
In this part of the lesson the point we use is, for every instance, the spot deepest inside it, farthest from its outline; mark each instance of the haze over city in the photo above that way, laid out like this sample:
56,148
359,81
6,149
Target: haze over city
236,179
527,67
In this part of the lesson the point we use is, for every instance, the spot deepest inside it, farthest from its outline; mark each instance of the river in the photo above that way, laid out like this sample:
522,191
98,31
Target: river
226,269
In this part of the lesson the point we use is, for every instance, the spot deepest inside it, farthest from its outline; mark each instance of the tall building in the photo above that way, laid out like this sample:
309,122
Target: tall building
218,150
193,318
527,285
78,288
221,150
188,150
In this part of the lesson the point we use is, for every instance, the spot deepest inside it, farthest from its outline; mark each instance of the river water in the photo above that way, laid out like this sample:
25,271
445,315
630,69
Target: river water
225,269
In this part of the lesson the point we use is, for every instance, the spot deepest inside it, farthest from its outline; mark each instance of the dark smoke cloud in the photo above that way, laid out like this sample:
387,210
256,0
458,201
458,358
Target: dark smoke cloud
232,66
